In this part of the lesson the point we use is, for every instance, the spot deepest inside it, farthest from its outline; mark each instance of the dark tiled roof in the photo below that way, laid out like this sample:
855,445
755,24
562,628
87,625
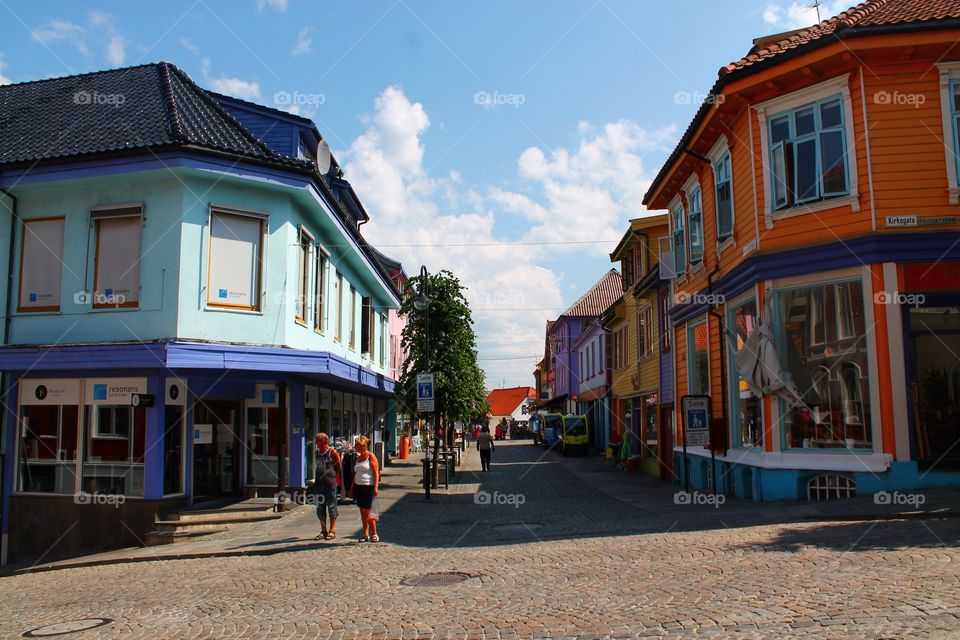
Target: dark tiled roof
150,106
865,18
599,298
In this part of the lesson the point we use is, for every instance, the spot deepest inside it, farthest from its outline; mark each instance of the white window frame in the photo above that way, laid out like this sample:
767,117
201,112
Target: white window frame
108,213
261,292
321,296
794,100
691,325
720,149
305,241
691,187
677,203
949,72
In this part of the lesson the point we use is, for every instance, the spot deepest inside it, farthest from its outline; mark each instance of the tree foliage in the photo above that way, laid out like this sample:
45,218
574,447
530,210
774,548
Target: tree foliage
450,353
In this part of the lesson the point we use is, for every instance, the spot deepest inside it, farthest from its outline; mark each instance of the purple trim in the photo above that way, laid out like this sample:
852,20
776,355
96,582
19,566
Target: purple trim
189,356
887,247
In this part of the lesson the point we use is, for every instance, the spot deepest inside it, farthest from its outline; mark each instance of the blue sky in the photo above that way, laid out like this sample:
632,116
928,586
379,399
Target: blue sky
464,126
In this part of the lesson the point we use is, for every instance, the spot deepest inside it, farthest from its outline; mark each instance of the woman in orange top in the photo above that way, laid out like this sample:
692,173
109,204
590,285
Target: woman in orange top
365,487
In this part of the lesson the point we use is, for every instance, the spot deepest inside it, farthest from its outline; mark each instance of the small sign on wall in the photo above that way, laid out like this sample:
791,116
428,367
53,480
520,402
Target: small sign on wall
49,391
176,392
113,390
203,434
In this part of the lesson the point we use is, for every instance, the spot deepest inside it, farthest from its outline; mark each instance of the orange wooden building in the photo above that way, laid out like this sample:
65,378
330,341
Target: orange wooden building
814,199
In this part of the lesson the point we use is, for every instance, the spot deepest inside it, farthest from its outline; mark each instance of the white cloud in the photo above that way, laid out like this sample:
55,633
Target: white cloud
236,87
3,65
797,15
304,41
189,45
62,31
244,89
116,51
280,6
453,226
604,178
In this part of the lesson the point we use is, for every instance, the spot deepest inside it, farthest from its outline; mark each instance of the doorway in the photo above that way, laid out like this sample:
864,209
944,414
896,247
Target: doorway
933,340
216,449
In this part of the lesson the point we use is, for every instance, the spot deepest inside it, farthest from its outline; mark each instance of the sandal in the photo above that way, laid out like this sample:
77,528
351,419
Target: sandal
330,536
322,536
363,539
375,538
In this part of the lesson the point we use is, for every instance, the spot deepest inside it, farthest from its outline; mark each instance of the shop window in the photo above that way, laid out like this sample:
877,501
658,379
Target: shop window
319,288
113,449
723,194
116,280
236,260
303,274
746,408
48,441
41,264
174,432
808,153
698,359
830,487
264,438
695,226
823,346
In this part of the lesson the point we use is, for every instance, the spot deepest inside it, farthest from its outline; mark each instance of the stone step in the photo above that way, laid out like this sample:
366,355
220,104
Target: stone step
214,515
157,538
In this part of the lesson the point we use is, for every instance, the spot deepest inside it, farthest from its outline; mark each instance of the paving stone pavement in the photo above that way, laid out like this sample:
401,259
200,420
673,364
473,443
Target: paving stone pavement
542,554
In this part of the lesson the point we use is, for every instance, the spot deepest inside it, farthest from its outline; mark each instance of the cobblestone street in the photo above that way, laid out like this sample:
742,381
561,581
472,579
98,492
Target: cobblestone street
556,557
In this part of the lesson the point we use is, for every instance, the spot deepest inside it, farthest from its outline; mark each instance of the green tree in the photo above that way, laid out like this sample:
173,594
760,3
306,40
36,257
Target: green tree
450,353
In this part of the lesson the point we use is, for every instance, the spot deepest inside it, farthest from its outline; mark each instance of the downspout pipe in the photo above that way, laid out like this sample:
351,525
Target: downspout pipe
723,369
8,303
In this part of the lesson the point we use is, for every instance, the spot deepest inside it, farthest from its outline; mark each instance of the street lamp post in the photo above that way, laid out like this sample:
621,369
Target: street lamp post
422,303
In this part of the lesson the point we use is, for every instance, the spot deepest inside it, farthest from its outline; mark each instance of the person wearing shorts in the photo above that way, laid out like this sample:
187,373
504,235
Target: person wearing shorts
326,479
365,487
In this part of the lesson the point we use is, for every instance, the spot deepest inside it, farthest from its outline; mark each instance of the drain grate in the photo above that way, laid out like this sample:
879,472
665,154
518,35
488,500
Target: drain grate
63,628
436,579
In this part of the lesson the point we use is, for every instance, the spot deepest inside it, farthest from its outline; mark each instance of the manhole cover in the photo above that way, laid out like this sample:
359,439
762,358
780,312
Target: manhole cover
436,579
518,526
62,628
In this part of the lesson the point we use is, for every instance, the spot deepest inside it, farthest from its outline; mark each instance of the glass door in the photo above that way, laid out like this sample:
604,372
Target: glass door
934,393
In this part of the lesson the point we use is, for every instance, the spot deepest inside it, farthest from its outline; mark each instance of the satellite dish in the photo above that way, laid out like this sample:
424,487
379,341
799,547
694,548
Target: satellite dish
323,157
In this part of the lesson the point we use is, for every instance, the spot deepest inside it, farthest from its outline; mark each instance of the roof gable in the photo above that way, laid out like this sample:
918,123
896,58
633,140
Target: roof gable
504,402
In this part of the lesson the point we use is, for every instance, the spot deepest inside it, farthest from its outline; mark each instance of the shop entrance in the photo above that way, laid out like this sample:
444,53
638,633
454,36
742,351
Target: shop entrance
933,342
216,449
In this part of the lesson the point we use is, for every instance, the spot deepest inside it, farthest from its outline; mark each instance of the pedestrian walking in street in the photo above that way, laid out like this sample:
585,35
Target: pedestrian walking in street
485,447
326,479
366,482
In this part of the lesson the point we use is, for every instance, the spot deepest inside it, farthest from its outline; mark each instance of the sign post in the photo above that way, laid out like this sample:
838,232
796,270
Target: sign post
696,428
425,393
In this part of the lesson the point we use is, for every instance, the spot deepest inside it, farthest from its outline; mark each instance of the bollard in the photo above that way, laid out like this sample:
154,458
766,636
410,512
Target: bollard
426,478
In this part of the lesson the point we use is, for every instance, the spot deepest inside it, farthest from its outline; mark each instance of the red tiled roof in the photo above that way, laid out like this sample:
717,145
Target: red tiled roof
866,14
599,298
865,18
504,402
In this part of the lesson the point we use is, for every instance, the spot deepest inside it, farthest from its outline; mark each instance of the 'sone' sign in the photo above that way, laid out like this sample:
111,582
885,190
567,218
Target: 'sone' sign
696,420
425,391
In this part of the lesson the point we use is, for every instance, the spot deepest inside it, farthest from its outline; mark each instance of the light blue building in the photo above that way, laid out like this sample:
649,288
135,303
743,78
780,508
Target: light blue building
173,245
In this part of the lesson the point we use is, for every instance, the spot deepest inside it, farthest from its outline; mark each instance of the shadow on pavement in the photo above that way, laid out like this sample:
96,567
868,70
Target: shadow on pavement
865,536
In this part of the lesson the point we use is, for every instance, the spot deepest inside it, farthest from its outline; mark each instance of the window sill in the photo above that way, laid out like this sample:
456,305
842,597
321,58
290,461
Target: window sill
108,309
696,267
852,200
225,309
726,244
301,322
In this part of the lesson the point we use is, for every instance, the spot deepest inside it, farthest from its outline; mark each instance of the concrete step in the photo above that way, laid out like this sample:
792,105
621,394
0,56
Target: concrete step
157,538
214,522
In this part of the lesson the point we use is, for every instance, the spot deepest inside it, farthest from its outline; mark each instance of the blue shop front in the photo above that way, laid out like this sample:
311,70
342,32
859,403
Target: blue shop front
102,438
